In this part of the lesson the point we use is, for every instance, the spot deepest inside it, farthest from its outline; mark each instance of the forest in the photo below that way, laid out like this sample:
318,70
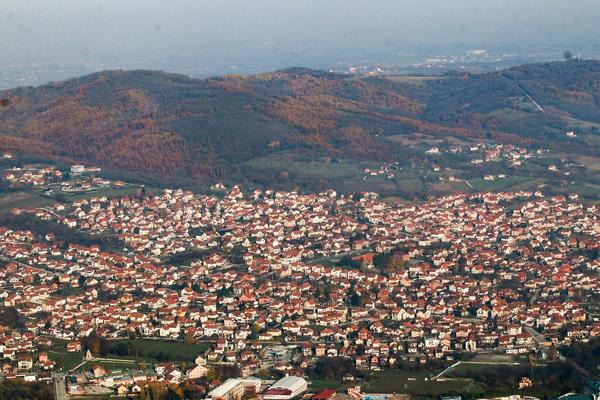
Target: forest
166,125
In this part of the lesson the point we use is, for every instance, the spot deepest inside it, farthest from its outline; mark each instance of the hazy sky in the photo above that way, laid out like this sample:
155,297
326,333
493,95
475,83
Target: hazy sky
163,33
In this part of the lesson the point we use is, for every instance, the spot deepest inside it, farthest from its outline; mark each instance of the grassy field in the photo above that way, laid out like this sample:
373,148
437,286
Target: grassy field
176,351
65,361
111,192
315,167
463,379
415,382
142,351
471,371
501,183
33,198
114,365
590,191
23,199
413,79
68,361
320,384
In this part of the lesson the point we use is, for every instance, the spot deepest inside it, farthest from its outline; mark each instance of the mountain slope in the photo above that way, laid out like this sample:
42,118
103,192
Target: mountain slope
167,124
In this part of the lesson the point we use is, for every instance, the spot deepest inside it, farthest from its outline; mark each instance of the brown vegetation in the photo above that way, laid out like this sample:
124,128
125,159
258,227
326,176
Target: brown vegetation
173,125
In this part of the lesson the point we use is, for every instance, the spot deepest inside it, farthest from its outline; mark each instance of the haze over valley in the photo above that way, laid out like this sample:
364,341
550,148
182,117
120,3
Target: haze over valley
300,199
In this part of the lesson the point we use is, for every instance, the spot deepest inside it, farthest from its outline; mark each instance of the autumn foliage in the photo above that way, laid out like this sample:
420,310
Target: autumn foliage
172,125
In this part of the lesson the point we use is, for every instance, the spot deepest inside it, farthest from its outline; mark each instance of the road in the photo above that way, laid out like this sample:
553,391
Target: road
527,94
449,369
60,387
538,337
535,296
19,263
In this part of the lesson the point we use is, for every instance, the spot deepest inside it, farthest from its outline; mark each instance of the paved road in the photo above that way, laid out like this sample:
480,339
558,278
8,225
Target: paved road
527,94
535,296
60,387
450,368
469,184
21,264
538,337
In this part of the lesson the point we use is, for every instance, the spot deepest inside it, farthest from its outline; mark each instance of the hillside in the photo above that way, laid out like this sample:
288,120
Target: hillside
163,124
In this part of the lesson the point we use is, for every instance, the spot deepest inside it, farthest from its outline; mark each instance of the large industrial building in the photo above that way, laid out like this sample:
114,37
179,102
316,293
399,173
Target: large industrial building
234,389
286,388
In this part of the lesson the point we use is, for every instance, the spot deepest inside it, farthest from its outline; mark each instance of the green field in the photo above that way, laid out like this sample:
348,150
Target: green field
110,192
33,198
414,382
477,371
114,365
142,351
150,349
499,184
291,164
23,199
68,361
320,384
64,360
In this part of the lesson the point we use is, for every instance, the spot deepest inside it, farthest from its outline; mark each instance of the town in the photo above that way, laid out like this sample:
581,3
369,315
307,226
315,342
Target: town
269,284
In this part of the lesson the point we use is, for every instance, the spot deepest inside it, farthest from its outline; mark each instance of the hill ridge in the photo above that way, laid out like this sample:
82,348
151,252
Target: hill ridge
161,123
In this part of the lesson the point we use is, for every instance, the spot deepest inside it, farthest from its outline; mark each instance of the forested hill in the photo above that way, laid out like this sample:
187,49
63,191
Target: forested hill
166,124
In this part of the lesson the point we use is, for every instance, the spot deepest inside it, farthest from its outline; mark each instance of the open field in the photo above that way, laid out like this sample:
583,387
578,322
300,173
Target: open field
316,167
113,365
141,351
424,141
23,199
64,360
320,384
152,349
468,378
502,183
30,198
68,361
413,79
478,372
414,382
109,192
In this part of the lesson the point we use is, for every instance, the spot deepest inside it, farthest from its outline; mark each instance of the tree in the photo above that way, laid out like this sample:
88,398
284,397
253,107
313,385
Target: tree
14,389
567,55
9,316
333,367
189,339
121,349
355,299
157,390
263,373
193,391
143,393
212,374
97,345
174,392
93,346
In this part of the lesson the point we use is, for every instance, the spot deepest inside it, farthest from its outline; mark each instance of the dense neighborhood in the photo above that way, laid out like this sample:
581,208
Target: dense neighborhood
275,281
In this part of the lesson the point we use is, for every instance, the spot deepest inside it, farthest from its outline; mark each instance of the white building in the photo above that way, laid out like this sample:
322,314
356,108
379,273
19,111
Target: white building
197,372
286,388
234,389
77,169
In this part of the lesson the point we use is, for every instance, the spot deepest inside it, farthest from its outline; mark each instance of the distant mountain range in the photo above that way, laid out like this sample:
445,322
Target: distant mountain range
167,125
